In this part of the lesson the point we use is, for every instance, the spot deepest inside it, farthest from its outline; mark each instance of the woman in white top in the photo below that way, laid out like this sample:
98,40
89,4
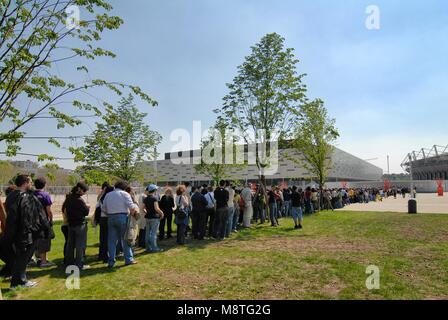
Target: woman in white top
142,221
181,212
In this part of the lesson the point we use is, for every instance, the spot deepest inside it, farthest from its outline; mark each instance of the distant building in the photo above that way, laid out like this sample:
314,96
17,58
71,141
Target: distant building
427,164
346,167
27,166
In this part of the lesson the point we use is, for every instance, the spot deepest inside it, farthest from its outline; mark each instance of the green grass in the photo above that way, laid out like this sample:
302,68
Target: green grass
327,260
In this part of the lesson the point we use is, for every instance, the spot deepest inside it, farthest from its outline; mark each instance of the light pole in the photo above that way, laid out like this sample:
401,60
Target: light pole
412,203
412,177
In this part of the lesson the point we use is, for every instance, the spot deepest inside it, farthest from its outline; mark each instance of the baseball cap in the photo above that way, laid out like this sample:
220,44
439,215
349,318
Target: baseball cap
152,187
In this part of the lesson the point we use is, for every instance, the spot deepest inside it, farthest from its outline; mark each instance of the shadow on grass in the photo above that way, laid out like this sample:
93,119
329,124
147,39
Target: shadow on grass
260,230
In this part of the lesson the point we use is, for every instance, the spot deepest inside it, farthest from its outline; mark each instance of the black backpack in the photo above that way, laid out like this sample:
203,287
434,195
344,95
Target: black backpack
33,218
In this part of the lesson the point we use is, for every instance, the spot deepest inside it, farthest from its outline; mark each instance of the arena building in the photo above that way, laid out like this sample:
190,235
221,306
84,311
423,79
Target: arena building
346,168
427,164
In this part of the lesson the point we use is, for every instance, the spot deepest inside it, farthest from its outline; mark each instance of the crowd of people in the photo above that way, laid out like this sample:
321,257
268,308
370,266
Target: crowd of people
127,220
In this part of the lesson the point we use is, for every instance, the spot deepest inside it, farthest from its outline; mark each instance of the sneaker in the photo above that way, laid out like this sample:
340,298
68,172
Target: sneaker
85,267
47,264
28,284
32,263
300,226
131,263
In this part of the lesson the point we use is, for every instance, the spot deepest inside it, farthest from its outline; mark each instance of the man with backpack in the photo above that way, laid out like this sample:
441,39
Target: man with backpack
43,246
25,224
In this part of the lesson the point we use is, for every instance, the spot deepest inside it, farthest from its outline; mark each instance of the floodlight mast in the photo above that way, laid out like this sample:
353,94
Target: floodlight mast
412,178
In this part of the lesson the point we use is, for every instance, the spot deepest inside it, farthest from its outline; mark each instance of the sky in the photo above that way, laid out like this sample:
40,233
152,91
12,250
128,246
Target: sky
386,88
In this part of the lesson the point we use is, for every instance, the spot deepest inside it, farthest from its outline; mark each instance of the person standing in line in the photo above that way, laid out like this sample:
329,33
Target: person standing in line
43,246
211,208
308,204
103,251
297,204
118,204
153,216
314,200
2,218
236,215
142,221
187,194
6,250
199,214
278,203
23,210
181,214
260,205
167,206
222,199
231,209
287,202
77,210
273,207
132,227
327,200
246,195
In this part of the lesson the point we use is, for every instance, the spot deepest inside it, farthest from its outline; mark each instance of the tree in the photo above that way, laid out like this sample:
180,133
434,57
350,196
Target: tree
36,37
266,95
7,170
218,168
51,170
120,143
314,136
92,175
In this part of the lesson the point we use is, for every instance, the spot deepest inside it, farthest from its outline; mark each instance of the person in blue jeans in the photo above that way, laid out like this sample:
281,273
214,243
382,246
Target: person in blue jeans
287,202
273,207
118,205
153,216
297,202
182,203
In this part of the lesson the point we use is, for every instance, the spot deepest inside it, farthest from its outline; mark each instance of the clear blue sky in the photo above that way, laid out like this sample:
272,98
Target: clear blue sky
386,88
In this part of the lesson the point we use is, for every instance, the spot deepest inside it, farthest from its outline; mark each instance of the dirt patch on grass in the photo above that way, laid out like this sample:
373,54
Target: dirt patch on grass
306,245
188,285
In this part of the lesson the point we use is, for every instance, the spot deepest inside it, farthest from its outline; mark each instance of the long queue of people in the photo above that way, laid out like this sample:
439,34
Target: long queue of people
127,221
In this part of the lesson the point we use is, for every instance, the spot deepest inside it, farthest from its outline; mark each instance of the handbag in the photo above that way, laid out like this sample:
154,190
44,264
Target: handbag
131,231
180,212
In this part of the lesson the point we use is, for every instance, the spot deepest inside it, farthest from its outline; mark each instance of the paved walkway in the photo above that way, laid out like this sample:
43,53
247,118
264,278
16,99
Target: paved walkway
426,203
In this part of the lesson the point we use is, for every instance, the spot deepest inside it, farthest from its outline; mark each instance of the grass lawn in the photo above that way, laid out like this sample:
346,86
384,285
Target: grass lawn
326,260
